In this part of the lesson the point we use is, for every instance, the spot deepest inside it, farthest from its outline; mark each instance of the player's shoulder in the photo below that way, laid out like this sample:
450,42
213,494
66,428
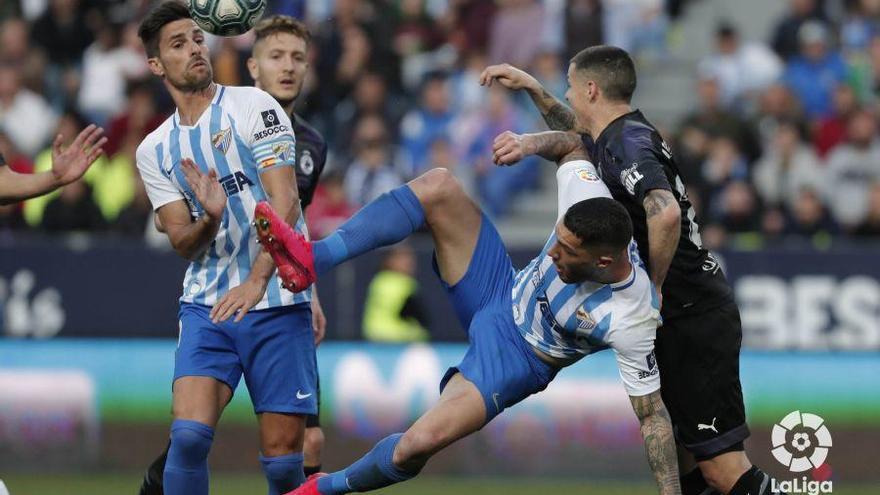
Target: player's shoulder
302,128
148,145
243,94
637,136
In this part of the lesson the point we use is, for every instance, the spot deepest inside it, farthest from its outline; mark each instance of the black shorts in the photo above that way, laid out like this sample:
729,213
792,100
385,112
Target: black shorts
698,355
314,420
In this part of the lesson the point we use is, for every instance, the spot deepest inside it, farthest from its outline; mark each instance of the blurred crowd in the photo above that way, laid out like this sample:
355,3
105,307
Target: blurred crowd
781,142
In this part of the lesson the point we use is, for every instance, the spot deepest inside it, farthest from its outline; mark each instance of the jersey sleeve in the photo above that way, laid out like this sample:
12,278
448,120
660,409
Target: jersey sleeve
644,173
269,132
160,189
634,350
577,180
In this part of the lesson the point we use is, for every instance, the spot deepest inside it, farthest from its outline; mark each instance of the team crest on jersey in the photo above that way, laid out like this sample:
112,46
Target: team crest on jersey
584,320
306,163
282,150
586,175
222,139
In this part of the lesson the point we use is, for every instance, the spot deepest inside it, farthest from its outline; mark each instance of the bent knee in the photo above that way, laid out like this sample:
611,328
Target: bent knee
281,442
437,186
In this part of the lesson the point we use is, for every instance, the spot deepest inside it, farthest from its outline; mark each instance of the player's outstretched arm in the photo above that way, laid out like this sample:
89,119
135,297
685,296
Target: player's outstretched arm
191,238
67,166
656,429
556,146
280,186
556,114
664,228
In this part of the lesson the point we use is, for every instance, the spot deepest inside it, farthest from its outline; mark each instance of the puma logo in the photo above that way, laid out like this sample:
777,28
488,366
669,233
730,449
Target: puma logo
701,426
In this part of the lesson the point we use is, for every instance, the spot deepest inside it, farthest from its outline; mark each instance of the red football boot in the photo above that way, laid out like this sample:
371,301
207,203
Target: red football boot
290,250
310,487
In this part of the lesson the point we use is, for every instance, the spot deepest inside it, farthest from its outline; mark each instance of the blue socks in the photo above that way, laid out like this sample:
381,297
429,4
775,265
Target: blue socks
186,470
284,473
388,219
372,471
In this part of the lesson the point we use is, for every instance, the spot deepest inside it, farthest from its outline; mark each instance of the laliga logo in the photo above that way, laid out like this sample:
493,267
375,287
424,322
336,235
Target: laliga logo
801,442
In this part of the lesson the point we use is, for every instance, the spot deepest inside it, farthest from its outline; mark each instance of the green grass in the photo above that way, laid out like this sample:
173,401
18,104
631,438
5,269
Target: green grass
245,484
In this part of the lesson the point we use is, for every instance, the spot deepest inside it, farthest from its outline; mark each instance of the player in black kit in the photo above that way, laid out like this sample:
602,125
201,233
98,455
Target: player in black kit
278,65
699,342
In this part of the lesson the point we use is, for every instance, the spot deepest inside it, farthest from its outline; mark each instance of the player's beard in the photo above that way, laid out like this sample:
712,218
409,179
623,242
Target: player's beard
193,79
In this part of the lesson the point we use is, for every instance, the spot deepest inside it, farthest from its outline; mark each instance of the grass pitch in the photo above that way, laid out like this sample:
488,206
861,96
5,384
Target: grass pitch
247,484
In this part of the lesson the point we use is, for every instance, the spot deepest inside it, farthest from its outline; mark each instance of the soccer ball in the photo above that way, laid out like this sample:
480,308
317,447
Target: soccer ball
226,17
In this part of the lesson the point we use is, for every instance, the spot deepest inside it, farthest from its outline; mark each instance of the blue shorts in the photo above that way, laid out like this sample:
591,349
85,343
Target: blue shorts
273,348
499,361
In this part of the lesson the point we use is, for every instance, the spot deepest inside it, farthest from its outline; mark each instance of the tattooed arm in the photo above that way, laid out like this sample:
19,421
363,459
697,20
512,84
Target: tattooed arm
659,442
556,146
664,228
556,114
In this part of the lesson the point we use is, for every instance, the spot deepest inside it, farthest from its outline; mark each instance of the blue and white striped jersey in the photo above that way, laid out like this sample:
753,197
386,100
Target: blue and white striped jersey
243,133
570,321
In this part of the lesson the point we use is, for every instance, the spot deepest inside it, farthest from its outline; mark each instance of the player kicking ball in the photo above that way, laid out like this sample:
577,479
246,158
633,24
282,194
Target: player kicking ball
586,291
205,169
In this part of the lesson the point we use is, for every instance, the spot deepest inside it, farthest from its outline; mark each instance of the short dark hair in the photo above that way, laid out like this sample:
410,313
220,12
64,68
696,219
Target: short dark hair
611,67
165,13
275,24
600,222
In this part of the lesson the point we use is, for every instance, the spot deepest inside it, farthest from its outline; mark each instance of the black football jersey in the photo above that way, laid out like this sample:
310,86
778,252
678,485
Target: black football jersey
633,159
311,156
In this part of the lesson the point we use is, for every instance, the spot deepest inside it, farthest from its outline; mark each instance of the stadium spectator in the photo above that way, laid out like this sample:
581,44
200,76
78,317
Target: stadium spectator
870,227
393,312
865,71
776,104
415,36
548,70
810,219
138,118
852,168
19,105
330,207
134,220
785,35
637,26
831,130
719,121
724,165
63,33
433,117
858,25
373,171
742,69
786,167
814,73
107,66
70,124
515,37
73,210
465,82
497,186
470,22
370,97
583,26
738,209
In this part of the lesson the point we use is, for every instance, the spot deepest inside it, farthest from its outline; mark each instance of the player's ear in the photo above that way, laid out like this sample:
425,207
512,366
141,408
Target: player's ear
604,261
252,68
156,66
